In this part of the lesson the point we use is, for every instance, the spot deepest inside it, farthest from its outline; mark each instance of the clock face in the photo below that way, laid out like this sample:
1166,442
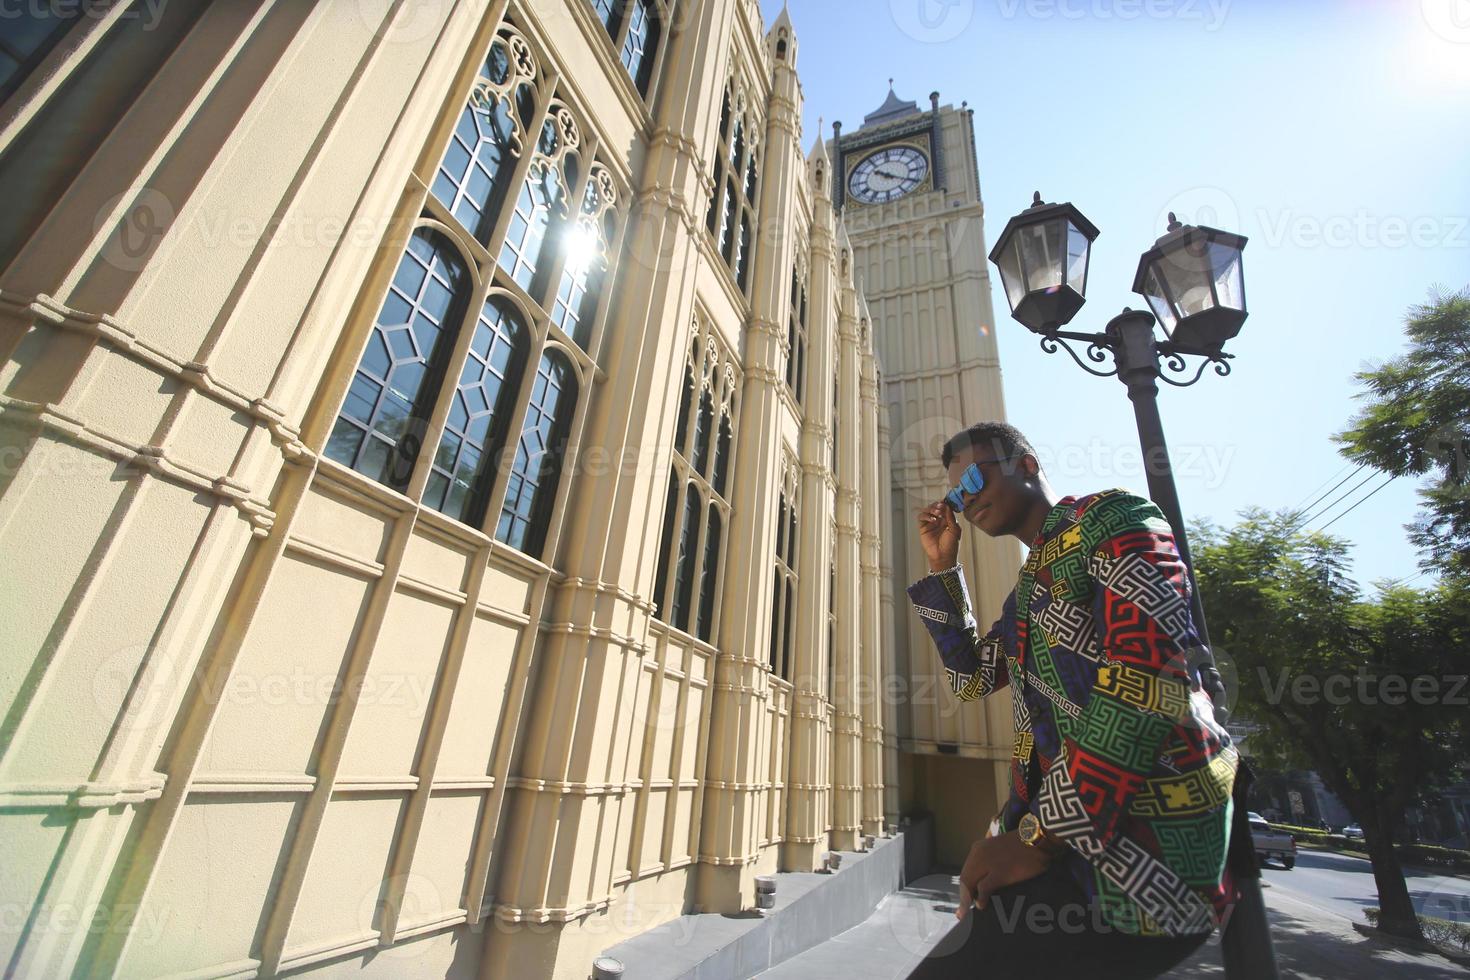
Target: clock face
888,174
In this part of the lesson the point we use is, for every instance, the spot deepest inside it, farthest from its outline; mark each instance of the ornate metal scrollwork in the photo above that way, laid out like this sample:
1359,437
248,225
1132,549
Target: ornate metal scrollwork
1174,361
1096,353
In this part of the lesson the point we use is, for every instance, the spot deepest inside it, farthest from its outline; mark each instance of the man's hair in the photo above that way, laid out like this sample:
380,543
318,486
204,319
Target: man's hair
1000,438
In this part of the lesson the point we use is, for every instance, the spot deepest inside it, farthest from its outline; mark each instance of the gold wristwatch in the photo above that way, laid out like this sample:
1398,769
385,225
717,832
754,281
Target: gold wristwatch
1033,834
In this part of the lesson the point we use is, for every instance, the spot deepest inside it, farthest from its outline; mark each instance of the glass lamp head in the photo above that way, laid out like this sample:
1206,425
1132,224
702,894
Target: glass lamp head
1194,281
1042,255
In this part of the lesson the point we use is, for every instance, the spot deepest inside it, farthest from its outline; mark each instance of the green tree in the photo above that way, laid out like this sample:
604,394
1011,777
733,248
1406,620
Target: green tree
1362,691
1417,423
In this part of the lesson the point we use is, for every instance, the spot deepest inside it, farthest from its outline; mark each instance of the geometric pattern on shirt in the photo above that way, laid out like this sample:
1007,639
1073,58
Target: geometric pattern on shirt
1128,576
1071,626
1162,894
1139,581
1165,696
1193,792
1059,701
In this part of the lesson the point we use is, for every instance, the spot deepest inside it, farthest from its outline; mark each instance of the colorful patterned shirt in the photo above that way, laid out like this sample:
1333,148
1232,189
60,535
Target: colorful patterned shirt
1117,750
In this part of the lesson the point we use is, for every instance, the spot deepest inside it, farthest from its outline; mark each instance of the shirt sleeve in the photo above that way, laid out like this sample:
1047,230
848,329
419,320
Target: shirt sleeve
1142,690
974,665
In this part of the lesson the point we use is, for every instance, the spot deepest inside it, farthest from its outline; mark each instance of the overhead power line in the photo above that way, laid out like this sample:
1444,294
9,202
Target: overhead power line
1357,504
1314,503
1300,509
1356,487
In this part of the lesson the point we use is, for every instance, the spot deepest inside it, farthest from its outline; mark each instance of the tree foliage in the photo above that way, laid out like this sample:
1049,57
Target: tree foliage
1363,691
1416,422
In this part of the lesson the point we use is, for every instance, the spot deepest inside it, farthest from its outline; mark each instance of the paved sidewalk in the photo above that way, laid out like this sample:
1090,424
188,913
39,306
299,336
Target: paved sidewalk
1314,944
1311,944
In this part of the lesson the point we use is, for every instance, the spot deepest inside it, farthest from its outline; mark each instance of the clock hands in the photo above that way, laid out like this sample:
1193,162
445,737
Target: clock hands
891,176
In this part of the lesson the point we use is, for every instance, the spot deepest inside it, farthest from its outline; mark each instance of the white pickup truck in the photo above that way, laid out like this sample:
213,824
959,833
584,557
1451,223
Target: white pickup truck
1272,843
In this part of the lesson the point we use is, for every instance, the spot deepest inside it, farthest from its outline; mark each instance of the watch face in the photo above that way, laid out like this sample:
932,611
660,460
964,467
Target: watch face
888,174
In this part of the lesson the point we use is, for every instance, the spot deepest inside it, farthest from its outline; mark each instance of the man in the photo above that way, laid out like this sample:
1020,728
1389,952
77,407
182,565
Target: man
1108,858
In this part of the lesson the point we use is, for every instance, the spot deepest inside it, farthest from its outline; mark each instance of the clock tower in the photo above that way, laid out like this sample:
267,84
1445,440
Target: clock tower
909,196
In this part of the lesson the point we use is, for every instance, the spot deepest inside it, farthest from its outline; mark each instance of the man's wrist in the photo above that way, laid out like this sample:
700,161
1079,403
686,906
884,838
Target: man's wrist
940,567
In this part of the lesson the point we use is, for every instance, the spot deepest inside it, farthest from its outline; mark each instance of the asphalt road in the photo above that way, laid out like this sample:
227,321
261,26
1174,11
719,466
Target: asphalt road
1344,884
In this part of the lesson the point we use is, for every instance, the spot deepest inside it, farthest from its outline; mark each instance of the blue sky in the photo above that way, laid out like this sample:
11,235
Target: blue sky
1335,135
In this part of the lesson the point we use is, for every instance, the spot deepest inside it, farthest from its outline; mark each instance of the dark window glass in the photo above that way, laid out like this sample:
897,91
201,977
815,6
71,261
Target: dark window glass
666,540
463,468
775,621
684,570
791,538
639,45
607,12
832,462
722,455
727,223
711,573
537,467
703,426
520,255
28,32
742,252
712,216
789,629
781,530
685,397
380,429
470,177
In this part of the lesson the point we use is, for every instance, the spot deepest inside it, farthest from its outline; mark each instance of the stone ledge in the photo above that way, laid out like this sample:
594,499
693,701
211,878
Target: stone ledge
811,907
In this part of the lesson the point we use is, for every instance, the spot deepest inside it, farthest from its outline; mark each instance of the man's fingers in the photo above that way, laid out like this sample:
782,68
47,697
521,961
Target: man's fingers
966,897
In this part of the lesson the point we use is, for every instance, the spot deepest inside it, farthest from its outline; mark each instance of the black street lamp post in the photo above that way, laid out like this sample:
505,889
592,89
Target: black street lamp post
1194,283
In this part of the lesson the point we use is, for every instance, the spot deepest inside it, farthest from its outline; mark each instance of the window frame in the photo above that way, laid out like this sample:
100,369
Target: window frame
536,93
711,368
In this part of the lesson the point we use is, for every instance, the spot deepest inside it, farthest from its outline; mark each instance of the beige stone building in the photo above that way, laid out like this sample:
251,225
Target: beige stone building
444,487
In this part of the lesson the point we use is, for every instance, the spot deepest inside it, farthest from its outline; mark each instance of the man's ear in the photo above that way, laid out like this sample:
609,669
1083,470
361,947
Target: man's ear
1030,465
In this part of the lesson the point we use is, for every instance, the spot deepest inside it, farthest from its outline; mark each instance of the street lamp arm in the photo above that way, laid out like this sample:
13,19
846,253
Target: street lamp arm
1096,345
1174,361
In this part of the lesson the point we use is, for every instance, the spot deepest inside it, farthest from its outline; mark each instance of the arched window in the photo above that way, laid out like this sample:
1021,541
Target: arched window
407,384
691,543
711,573
783,593
731,218
633,27
609,13
537,467
722,455
520,254
640,43
703,424
836,417
463,467
585,244
796,339
471,177
380,428
688,558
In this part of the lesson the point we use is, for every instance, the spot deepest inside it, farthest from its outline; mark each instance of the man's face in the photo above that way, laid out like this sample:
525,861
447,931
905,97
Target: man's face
1001,505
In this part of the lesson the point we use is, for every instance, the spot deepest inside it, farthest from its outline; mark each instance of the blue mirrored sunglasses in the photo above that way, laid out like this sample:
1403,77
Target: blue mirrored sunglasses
972,481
